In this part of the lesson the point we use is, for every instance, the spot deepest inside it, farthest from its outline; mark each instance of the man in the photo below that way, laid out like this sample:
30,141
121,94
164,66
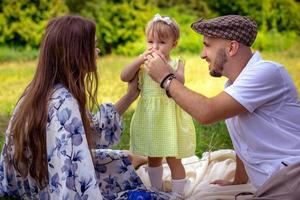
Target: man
259,104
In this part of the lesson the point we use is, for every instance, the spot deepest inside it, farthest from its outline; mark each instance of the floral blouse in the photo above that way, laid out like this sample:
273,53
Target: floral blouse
73,174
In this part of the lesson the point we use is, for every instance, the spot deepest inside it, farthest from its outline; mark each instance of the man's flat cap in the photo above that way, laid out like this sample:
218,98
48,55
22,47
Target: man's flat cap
230,27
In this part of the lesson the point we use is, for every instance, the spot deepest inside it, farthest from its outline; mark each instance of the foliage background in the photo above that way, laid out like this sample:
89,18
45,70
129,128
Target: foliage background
121,23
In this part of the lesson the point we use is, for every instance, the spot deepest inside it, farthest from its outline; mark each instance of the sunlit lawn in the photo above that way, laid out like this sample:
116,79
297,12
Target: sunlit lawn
15,76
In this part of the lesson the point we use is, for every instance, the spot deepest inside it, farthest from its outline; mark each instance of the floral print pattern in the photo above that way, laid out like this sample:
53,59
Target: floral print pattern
74,171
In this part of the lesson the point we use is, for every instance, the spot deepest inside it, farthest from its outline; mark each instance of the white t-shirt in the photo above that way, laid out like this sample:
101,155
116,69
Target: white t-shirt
269,133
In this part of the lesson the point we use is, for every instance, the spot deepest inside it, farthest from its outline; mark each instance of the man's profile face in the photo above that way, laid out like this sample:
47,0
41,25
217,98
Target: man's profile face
214,54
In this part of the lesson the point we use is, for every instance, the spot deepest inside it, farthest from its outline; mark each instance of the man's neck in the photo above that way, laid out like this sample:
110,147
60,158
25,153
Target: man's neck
236,65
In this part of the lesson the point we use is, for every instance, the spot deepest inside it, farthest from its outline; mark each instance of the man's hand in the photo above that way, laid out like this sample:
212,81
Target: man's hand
240,177
157,66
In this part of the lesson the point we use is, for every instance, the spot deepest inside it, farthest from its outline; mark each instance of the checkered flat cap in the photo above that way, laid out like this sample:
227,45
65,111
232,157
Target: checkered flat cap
230,27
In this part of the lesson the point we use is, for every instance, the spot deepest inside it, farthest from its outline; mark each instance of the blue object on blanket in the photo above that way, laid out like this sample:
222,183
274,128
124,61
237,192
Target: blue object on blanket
141,195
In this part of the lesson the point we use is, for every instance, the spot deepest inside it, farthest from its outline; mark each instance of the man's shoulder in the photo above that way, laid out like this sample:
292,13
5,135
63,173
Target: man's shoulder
262,71
267,64
265,68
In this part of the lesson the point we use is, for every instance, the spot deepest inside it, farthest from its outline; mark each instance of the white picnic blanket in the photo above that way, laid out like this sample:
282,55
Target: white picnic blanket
200,172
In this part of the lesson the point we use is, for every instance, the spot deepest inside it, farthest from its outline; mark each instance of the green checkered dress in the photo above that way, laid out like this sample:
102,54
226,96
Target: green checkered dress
159,127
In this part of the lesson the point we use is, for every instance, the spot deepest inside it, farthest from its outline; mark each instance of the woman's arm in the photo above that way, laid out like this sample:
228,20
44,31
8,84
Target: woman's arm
131,95
106,123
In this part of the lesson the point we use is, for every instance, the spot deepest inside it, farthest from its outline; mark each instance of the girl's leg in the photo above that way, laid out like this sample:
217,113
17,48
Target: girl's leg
178,175
155,172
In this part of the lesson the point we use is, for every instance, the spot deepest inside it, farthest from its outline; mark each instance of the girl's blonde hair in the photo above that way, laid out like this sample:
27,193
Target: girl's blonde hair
163,29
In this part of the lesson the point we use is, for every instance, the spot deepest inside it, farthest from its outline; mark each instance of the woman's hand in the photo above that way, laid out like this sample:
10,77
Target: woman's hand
132,90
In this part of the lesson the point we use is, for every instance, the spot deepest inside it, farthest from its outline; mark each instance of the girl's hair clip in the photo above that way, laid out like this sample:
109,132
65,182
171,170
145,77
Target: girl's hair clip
157,17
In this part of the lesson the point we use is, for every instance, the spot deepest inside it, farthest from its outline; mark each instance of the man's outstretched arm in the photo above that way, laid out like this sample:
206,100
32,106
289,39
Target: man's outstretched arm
205,110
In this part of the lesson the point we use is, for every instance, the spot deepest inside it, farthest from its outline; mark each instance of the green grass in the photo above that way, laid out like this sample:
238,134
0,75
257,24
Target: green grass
14,76
17,54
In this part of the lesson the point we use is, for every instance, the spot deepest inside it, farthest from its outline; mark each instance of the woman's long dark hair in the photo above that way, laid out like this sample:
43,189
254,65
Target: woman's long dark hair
67,56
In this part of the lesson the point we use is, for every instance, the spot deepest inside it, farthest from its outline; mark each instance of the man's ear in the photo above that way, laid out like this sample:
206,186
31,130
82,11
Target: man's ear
233,48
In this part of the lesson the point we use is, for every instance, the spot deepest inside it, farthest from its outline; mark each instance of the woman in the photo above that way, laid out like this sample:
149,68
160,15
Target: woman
54,148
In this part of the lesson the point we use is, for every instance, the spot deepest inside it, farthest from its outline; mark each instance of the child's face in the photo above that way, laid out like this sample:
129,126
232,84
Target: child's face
163,45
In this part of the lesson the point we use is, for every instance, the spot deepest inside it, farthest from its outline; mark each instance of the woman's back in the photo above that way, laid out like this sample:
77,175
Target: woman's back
69,159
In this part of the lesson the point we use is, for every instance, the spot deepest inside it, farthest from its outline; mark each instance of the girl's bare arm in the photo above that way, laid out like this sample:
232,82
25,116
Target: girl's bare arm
131,69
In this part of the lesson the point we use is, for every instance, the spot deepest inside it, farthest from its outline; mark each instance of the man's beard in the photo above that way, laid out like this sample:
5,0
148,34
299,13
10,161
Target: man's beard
219,63
215,73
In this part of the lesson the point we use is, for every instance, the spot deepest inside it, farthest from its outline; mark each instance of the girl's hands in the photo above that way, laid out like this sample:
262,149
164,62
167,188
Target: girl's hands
147,53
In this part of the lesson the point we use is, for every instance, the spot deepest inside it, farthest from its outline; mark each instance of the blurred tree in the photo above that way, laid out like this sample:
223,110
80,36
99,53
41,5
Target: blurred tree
1,6
278,15
119,22
22,21
195,7
281,15
75,6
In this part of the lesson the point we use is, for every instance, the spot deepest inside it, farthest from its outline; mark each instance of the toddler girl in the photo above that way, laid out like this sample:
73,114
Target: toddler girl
159,127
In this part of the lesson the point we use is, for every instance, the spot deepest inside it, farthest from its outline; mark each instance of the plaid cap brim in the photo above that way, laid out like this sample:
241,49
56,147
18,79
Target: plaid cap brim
230,27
